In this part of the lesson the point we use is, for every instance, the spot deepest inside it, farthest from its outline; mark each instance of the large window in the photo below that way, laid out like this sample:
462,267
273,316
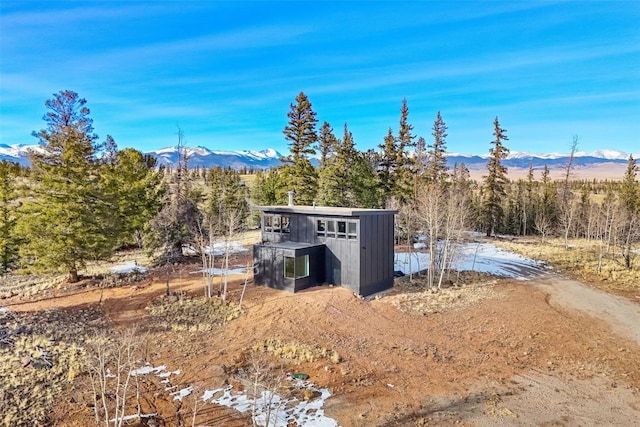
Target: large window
276,223
296,268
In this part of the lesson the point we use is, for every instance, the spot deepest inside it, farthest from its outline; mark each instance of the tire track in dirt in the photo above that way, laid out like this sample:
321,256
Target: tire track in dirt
622,315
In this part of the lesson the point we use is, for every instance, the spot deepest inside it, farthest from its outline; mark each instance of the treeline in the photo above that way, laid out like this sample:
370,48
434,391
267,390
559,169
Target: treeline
82,200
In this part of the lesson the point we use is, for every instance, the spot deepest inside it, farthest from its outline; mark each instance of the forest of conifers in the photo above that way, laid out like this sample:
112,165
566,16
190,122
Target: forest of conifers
82,200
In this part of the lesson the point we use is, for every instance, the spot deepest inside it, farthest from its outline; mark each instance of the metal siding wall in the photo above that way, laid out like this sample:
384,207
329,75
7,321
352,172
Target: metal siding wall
368,253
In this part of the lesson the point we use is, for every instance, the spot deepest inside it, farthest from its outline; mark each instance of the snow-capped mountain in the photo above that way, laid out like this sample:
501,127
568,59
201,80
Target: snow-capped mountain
204,157
517,159
269,158
16,153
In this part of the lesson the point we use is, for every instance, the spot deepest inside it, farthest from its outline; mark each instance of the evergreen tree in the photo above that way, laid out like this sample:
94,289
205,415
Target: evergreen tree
327,143
405,179
68,218
630,200
437,170
421,158
630,189
299,174
173,226
137,186
267,190
340,183
301,129
8,217
495,181
388,165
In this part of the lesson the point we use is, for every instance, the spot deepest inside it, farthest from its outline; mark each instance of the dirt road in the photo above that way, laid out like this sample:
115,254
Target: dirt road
621,314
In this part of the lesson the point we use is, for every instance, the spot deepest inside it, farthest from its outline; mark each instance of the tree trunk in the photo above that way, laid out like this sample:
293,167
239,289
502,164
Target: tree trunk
73,275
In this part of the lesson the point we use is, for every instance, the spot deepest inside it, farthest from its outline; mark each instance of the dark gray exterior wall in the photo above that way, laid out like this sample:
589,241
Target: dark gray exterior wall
268,261
364,264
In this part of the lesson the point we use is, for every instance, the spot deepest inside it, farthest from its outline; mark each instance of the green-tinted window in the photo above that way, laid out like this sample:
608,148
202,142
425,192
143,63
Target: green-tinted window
296,268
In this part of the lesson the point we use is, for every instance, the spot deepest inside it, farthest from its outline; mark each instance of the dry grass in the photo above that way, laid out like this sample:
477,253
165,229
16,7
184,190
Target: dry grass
29,285
191,314
581,261
296,352
39,360
431,301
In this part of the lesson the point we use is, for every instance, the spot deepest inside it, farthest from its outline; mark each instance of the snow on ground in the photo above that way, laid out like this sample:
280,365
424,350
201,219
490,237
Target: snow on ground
218,248
220,271
128,267
273,410
4,310
269,409
481,257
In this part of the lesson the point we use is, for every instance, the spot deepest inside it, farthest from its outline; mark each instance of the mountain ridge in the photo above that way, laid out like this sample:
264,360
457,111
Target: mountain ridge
201,156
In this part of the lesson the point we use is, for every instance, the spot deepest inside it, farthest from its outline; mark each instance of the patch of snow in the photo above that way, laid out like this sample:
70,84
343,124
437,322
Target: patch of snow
147,369
128,267
4,309
168,374
181,394
273,410
220,271
269,409
481,257
134,417
218,248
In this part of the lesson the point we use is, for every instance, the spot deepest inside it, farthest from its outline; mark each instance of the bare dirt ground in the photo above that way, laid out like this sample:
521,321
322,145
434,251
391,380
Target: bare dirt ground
546,352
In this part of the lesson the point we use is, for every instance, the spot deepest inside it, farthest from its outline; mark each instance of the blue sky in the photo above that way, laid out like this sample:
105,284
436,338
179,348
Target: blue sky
226,72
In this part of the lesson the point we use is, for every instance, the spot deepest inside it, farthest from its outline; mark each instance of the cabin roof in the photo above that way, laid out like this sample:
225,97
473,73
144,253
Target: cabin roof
324,210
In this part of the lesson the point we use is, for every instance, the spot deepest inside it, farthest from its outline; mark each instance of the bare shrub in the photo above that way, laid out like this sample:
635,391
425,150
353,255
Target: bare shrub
110,363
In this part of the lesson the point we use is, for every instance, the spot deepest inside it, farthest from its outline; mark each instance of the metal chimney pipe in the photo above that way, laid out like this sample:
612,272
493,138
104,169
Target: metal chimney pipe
290,194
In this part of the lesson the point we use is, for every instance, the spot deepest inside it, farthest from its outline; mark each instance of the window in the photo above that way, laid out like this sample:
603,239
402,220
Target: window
321,227
352,230
277,224
286,226
331,228
296,268
342,229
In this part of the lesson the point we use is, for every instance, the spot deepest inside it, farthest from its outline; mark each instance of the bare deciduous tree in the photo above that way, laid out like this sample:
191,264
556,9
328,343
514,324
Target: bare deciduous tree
111,366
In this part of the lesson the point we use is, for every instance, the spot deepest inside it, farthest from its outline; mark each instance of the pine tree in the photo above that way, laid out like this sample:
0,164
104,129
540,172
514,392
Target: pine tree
437,170
8,217
327,143
173,226
630,189
301,129
388,165
66,221
136,185
495,181
421,158
299,174
630,201
404,182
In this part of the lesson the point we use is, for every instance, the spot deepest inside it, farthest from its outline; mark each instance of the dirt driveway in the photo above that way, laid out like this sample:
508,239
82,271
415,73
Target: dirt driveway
620,313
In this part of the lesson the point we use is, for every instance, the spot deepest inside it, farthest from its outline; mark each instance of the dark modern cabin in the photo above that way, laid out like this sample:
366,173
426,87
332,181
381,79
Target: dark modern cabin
304,246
